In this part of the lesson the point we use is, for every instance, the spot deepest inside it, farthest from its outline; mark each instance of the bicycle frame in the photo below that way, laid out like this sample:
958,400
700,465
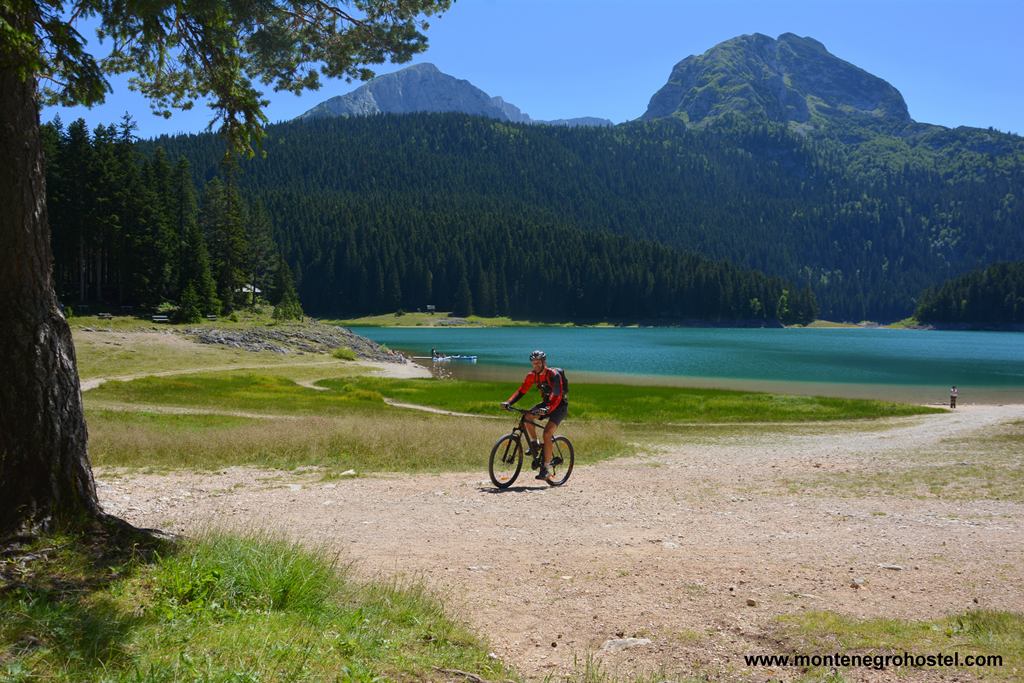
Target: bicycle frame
523,420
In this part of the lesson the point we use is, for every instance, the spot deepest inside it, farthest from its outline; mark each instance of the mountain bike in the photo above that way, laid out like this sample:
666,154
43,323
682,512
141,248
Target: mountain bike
507,455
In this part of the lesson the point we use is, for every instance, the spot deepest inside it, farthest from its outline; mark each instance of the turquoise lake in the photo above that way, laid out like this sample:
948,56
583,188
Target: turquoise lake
911,365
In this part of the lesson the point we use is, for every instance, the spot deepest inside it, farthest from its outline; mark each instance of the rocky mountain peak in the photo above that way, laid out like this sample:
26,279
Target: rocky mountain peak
785,79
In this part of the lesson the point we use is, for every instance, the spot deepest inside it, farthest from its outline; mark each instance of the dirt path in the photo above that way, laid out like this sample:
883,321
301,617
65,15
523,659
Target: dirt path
669,546
436,411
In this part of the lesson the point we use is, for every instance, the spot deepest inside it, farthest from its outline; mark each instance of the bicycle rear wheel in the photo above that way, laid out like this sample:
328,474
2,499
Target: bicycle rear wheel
506,461
563,457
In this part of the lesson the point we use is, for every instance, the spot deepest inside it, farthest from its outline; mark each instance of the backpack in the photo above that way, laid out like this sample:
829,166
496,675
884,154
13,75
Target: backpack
565,381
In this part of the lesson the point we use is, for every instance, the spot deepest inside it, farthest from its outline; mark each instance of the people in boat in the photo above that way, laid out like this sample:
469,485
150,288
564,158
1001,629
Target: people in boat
554,407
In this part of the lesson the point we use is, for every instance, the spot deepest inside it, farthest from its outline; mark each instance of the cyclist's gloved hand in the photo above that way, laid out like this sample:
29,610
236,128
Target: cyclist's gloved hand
506,405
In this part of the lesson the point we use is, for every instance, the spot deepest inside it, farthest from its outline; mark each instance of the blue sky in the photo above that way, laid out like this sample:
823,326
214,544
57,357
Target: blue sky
956,63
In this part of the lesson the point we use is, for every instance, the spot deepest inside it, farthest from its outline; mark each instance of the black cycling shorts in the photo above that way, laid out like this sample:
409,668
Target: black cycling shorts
559,413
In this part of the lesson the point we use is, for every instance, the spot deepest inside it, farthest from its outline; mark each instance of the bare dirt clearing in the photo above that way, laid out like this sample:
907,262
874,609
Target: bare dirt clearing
670,546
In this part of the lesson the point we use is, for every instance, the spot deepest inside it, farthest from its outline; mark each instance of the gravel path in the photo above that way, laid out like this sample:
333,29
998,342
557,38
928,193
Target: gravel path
671,546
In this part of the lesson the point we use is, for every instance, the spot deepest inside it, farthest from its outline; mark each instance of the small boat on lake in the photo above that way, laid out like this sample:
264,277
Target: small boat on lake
455,359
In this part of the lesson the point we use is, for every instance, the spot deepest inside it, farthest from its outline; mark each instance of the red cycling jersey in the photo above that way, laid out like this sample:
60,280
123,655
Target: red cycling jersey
550,384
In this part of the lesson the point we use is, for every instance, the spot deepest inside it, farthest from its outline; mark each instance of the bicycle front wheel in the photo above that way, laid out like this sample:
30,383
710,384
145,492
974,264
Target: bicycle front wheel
563,457
506,461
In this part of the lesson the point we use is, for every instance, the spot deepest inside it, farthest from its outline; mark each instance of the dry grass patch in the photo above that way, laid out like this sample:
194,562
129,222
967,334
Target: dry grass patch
120,353
396,441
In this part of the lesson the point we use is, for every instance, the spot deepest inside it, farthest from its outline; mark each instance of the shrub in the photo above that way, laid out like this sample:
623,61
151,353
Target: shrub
344,353
188,310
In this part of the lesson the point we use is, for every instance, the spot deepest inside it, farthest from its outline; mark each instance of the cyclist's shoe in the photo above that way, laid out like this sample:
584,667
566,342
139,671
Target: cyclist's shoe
543,474
537,461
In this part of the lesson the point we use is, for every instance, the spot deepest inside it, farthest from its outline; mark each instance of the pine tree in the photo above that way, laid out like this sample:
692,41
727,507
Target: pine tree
393,295
286,305
222,219
261,253
484,298
782,309
463,305
188,307
193,256
165,235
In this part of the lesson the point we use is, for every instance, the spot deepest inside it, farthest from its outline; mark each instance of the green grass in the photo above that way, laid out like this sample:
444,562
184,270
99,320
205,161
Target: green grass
244,391
642,404
621,403
344,353
906,323
979,632
987,467
828,324
415,319
222,608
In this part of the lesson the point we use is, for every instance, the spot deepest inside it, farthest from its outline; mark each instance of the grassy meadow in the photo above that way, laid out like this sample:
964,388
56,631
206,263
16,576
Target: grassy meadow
266,418
321,410
220,608
439,319
647,405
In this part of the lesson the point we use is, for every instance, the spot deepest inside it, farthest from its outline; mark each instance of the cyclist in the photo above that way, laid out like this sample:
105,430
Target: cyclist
554,407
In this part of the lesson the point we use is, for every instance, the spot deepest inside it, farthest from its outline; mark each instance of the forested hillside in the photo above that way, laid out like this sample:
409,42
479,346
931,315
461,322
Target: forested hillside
866,217
994,295
127,231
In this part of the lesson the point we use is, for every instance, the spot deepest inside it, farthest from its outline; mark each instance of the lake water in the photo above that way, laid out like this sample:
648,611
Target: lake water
909,365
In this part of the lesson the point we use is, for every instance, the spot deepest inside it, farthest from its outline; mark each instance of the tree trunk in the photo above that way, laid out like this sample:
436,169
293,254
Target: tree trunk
45,476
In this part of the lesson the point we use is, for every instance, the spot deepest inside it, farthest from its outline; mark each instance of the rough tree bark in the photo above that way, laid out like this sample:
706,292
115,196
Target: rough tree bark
45,477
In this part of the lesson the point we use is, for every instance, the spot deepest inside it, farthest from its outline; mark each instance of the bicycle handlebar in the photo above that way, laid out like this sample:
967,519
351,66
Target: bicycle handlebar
524,412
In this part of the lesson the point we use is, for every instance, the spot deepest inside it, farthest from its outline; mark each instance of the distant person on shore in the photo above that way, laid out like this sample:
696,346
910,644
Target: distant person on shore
953,393
554,407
